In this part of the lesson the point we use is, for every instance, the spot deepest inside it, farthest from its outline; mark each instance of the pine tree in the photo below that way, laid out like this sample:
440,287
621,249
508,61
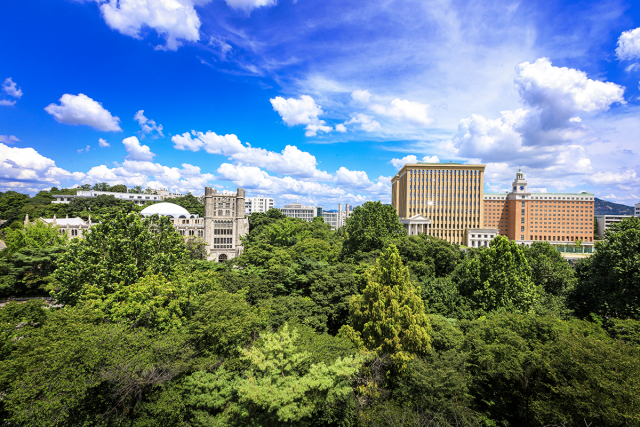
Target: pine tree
389,317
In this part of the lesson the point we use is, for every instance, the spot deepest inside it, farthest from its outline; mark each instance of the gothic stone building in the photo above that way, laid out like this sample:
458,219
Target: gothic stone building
224,223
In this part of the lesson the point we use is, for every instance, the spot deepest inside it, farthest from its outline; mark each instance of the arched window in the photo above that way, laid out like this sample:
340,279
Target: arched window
222,257
182,216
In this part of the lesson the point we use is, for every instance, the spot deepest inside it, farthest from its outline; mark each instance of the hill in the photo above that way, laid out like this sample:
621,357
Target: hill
602,207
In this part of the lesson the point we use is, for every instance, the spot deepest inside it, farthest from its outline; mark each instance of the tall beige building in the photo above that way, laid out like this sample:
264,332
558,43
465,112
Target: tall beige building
224,223
449,195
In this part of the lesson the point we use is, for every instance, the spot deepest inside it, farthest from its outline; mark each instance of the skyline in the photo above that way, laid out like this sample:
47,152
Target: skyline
318,103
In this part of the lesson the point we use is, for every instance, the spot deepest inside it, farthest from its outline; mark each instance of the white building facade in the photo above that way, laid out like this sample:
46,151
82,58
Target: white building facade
636,212
604,222
139,199
337,219
257,204
300,211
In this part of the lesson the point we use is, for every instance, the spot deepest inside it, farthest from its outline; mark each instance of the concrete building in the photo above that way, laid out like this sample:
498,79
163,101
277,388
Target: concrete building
526,217
337,219
224,223
139,199
303,212
73,227
449,195
637,210
604,222
166,194
479,237
257,204
188,225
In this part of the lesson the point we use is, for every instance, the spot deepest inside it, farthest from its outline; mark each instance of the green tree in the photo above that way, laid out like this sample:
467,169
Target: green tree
11,204
190,203
282,386
121,249
497,278
100,186
371,226
609,280
35,235
389,317
118,188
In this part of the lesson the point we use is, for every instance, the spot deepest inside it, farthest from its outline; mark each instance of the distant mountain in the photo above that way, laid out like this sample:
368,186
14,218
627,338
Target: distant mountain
602,207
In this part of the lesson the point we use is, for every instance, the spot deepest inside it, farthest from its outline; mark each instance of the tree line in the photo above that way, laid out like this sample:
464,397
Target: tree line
360,326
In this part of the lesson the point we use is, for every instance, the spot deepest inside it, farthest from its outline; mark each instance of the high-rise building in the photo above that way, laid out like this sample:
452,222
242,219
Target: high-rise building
604,222
526,217
257,204
337,219
442,199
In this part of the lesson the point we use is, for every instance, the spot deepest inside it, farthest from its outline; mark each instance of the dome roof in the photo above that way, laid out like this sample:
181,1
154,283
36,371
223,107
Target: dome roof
166,209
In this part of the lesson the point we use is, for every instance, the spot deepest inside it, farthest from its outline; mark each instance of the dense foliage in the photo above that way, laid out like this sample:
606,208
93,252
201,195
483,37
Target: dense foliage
363,326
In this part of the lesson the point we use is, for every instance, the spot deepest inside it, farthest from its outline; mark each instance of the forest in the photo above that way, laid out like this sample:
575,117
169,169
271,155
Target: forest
362,326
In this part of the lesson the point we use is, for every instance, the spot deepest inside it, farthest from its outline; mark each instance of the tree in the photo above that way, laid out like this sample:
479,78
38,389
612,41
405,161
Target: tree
136,190
609,280
190,203
371,226
121,249
118,188
100,186
497,278
11,204
35,235
549,269
282,386
389,317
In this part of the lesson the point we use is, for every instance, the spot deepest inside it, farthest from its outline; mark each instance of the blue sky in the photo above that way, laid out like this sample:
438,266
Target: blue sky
318,102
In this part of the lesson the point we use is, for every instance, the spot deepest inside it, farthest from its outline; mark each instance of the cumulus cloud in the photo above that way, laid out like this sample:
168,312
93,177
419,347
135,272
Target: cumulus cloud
11,88
613,178
341,128
399,163
137,151
302,111
367,123
629,45
9,139
83,150
26,168
147,126
103,143
359,181
363,96
402,110
82,110
291,160
561,93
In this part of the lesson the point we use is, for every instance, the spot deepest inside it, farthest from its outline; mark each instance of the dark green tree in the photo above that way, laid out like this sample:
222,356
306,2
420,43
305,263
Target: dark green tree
371,226
609,280
190,203
121,249
118,188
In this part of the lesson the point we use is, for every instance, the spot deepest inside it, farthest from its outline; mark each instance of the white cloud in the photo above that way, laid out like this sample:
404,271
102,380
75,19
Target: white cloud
148,126
82,110
367,123
363,96
137,151
561,93
341,128
612,178
26,168
290,161
83,150
7,102
399,163
249,5
302,111
359,181
174,20
406,111
9,139
103,143
11,89
629,45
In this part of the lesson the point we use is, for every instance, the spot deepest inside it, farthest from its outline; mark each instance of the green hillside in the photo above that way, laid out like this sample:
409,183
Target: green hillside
602,207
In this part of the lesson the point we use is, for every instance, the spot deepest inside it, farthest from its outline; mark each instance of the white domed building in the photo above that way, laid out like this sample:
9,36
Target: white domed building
167,209
188,225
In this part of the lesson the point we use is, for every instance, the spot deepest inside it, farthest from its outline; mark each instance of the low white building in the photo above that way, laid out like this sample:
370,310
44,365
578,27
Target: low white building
604,222
416,224
337,219
139,199
300,211
480,237
74,227
257,204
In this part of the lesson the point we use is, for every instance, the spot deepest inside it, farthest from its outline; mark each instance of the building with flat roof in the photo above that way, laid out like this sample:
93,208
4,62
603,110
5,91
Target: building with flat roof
300,211
636,212
257,204
139,199
526,217
448,194
604,222
337,218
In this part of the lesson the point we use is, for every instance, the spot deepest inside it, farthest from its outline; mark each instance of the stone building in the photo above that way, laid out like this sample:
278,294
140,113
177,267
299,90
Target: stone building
74,227
224,223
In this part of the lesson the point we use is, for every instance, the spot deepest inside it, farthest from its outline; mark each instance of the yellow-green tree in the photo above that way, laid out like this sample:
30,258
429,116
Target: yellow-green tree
389,316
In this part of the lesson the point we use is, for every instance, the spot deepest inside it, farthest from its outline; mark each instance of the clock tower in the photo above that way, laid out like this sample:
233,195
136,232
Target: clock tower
519,186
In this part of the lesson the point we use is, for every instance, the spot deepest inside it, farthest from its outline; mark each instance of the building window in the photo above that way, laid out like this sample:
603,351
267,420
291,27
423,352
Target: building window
522,229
